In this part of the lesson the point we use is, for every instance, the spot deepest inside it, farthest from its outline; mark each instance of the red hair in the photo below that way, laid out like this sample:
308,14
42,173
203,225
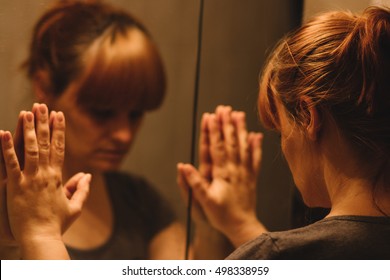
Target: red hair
341,63
106,50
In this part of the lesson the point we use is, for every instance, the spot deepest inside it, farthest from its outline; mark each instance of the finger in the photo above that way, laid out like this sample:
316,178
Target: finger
5,232
31,152
43,133
57,148
181,182
80,195
18,139
255,143
3,173
229,134
195,181
257,151
10,159
204,148
217,147
197,212
71,186
242,136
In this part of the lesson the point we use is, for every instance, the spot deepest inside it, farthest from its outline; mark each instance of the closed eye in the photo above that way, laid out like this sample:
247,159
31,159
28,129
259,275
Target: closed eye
102,114
136,115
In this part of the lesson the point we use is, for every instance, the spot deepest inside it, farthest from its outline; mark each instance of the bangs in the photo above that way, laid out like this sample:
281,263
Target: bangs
266,105
124,70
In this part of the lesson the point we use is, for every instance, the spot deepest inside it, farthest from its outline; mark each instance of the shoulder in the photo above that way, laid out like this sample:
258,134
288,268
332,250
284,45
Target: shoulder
332,238
260,248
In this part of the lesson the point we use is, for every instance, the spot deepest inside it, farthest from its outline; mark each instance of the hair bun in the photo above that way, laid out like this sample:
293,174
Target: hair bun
373,30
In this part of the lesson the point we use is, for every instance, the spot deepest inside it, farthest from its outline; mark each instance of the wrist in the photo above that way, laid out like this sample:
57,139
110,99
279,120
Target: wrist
49,248
37,236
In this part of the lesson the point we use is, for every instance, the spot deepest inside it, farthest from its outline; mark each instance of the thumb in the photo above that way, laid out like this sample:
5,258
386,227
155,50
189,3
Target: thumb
71,186
80,194
181,182
195,181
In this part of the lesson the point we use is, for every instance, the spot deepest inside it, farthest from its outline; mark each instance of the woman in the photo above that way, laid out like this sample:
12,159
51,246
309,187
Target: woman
101,68
325,90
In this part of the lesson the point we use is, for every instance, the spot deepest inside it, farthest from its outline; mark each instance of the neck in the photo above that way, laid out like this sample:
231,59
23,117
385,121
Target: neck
349,181
353,193
357,197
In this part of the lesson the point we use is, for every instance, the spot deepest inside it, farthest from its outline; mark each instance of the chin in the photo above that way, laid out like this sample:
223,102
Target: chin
107,166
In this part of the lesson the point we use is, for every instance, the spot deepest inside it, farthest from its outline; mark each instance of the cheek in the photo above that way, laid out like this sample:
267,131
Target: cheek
306,171
82,133
294,153
290,152
137,125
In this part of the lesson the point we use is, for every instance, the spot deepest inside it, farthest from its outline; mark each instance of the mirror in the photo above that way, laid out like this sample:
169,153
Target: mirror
237,35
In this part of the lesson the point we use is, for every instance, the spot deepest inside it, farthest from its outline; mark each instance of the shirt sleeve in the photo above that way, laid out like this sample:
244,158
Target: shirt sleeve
260,248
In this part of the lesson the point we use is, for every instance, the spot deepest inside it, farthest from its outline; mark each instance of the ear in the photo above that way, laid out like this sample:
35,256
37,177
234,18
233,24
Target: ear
41,87
313,123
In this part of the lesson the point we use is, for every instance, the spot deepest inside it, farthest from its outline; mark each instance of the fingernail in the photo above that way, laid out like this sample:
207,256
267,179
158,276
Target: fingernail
7,136
187,171
29,116
42,108
88,177
60,116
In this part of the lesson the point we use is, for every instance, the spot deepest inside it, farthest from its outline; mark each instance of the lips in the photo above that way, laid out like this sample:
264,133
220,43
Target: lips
112,154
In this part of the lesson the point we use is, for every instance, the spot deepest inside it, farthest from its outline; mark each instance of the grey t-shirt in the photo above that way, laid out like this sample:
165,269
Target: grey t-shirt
140,212
341,237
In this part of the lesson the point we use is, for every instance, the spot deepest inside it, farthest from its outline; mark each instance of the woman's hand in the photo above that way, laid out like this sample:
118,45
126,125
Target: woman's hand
39,207
6,237
224,187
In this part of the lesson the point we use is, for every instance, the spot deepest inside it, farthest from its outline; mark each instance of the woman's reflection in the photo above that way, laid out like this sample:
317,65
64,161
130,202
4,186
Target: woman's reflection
99,66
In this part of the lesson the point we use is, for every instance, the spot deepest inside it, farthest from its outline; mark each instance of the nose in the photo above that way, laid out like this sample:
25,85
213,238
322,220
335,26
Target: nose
122,129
